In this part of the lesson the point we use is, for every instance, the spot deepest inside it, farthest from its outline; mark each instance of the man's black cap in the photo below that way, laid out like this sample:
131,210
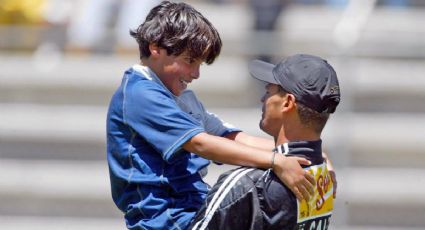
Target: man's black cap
310,79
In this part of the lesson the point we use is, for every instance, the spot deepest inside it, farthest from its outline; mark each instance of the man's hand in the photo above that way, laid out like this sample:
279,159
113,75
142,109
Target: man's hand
289,171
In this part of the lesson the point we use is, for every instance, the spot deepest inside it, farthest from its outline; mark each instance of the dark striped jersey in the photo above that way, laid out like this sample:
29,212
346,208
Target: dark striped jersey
248,198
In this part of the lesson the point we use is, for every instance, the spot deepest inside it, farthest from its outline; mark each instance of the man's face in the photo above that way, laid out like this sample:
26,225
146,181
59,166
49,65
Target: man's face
178,71
272,114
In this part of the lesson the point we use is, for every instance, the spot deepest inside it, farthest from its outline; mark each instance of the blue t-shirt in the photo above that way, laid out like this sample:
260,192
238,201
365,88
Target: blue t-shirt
154,181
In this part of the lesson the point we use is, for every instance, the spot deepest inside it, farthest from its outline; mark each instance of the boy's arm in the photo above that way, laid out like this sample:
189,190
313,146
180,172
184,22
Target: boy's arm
253,141
288,169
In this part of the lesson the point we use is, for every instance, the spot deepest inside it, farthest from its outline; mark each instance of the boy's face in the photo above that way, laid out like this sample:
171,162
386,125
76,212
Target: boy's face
272,114
177,72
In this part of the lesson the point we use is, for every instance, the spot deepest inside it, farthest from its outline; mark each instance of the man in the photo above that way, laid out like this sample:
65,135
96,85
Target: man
301,92
160,138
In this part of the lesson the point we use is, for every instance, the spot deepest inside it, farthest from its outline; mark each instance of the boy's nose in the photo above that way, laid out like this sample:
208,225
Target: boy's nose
195,73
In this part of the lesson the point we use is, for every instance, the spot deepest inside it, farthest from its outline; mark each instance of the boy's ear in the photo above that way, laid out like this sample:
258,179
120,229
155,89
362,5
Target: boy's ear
154,49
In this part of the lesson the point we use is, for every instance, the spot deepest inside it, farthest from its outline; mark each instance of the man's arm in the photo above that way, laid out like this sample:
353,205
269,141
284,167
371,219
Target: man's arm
288,169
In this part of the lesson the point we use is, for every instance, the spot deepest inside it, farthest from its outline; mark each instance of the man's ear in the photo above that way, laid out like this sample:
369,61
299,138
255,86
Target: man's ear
288,103
155,50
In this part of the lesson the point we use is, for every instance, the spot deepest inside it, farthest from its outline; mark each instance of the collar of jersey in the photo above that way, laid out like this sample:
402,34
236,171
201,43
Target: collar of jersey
308,149
147,73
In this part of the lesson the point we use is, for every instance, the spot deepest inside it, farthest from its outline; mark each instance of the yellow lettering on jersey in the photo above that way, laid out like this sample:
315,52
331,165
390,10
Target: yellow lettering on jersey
317,210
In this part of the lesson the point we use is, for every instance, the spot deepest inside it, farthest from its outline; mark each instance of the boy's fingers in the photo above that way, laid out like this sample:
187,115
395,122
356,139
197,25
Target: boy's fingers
305,193
303,161
310,182
310,179
298,194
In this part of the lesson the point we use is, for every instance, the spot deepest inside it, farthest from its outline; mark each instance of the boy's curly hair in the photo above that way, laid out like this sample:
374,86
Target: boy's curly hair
178,27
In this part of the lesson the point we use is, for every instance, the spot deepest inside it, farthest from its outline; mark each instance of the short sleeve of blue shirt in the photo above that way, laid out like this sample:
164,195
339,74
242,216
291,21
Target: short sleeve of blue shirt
212,124
153,113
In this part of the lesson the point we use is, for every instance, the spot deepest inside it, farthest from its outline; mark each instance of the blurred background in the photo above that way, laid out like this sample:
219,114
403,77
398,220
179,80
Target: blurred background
61,60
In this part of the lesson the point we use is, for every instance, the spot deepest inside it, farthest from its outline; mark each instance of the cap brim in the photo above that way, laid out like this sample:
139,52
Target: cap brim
262,71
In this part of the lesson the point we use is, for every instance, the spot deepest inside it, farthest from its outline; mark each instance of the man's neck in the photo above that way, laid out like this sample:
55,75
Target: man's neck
295,134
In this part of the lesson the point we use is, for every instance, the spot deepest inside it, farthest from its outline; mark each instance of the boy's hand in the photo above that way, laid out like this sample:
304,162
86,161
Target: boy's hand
289,171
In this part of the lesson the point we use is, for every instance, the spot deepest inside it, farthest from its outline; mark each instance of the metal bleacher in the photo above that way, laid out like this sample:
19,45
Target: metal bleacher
53,166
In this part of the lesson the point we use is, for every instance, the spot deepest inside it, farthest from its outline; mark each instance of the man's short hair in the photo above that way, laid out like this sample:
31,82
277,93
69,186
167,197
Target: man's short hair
178,27
310,118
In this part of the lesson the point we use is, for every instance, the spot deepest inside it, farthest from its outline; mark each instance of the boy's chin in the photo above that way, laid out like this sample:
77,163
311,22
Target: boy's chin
177,92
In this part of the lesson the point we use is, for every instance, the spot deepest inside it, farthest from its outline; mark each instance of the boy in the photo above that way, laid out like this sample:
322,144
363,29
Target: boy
160,138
